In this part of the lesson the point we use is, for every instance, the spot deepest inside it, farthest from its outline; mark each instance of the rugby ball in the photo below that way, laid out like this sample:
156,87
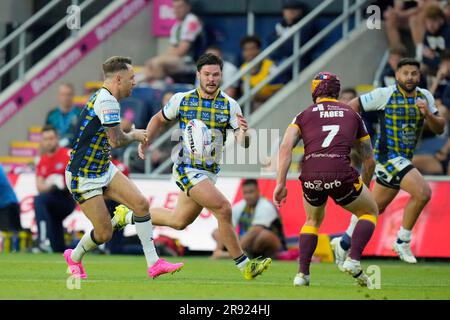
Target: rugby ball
197,138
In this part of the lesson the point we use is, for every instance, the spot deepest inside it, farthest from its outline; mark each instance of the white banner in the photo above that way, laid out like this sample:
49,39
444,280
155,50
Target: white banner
161,193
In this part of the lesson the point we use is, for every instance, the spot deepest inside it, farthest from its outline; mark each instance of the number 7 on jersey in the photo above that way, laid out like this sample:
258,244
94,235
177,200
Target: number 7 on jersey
333,130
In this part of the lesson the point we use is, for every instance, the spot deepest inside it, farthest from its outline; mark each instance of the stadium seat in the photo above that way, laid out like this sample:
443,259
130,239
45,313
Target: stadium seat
150,96
80,101
135,111
92,86
364,88
179,87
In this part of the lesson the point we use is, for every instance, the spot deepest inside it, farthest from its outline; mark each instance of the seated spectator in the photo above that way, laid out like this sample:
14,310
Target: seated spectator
228,71
185,36
251,48
64,118
387,78
259,224
54,202
293,12
9,205
153,79
436,39
440,86
406,16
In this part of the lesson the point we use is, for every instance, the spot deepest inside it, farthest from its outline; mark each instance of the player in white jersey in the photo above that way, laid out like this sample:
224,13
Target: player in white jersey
197,178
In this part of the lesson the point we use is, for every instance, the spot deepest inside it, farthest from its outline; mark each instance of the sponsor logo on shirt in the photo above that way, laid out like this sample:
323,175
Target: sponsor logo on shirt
111,115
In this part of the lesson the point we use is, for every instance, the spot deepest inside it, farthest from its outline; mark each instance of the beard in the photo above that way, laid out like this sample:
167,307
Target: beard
408,87
209,88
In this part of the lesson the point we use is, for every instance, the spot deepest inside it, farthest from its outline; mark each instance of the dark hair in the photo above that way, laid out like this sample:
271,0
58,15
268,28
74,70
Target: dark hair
408,62
293,4
397,50
49,127
115,64
434,12
209,59
250,39
249,182
214,47
349,90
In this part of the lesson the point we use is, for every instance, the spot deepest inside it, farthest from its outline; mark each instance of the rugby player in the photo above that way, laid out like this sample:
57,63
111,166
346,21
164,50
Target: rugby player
402,108
196,177
91,177
329,129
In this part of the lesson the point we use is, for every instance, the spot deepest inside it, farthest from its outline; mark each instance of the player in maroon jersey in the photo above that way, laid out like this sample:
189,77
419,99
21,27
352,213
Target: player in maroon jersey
329,129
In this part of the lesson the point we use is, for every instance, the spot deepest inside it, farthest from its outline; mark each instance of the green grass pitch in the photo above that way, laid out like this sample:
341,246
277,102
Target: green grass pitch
28,276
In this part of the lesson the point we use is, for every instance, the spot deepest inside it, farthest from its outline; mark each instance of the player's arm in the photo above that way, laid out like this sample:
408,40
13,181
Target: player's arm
241,134
291,138
156,124
364,148
117,138
355,104
434,121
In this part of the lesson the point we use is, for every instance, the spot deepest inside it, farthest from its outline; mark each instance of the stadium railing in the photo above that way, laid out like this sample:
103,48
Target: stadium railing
348,12
20,36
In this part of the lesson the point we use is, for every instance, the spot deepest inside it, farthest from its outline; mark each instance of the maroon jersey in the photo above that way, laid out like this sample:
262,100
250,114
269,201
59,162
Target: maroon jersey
328,130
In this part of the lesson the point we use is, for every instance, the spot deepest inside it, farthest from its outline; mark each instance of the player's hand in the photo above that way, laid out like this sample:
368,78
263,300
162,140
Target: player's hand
279,194
140,135
423,107
242,123
142,149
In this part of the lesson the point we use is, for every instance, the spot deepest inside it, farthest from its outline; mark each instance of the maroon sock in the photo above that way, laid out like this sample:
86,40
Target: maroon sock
361,235
307,245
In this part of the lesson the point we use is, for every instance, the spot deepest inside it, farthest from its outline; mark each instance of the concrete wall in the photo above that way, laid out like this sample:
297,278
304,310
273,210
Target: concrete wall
133,40
355,60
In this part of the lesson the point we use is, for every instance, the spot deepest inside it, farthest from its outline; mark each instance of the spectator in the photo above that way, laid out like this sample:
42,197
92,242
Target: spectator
64,118
406,16
54,202
228,71
259,224
251,48
185,38
433,152
387,78
9,205
293,12
436,39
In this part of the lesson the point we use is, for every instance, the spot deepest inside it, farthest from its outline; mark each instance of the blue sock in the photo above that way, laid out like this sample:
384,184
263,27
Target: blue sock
399,241
346,241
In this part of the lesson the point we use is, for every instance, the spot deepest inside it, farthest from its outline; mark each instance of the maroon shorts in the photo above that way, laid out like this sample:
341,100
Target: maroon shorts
342,187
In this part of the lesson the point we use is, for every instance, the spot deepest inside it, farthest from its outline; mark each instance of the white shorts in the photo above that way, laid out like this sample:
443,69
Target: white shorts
391,173
186,177
83,188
